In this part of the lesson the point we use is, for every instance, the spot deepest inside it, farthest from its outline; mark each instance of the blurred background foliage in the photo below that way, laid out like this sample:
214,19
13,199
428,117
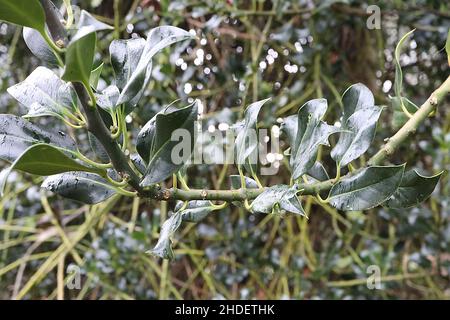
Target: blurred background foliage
291,51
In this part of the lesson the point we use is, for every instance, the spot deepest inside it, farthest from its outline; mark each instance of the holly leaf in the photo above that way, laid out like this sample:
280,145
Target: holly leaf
37,45
43,93
124,55
145,139
107,99
247,139
414,189
95,76
27,13
311,132
355,98
44,160
138,162
79,59
357,135
85,187
278,199
318,172
163,247
289,127
87,24
161,162
359,122
18,134
367,188
195,211
235,182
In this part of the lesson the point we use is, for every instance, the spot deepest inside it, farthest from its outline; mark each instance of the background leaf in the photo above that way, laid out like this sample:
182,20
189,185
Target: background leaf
399,117
398,82
235,182
367,188
447,47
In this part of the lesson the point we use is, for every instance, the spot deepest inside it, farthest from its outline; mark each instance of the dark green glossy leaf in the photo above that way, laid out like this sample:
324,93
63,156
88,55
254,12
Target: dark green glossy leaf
43,93
85,187
138,162
367,188
79,59
107,99
247,139
278,199
318,172
124,54
235,182
87,24
355,98
195,210
18,134
160,164
163,248
44,160
98,148
27,13
37,45
145,139
311,132
359,121
413,189
289,127
95,76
